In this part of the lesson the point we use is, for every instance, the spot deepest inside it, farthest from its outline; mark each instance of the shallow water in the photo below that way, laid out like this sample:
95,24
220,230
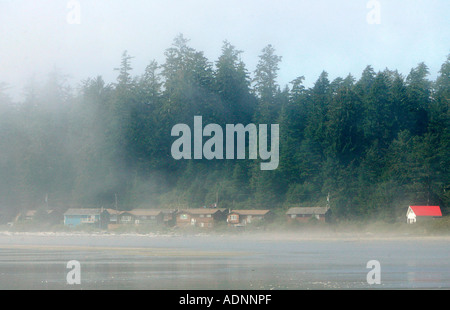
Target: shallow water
33,261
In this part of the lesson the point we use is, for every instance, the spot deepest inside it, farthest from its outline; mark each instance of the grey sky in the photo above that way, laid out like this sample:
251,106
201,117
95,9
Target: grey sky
310,35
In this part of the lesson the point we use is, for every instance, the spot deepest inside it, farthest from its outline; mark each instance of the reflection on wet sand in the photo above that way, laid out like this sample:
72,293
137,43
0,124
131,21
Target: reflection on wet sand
257,262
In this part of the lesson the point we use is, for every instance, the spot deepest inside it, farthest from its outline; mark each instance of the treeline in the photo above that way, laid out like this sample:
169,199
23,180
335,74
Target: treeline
373,145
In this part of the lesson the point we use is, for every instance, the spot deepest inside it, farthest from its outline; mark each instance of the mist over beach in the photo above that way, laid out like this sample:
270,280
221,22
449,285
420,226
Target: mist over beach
228,145
255,261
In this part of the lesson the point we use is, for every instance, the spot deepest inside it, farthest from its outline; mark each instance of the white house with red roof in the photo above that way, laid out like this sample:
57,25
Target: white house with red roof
415,212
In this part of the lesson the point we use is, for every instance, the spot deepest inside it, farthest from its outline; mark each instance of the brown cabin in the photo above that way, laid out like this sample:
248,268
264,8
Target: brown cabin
305,214
244,217
200,217
141,216
169,217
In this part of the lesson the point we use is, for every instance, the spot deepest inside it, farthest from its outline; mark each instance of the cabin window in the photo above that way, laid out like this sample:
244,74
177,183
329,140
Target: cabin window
183,216
126,218
293,216
208,215
88,219
233,217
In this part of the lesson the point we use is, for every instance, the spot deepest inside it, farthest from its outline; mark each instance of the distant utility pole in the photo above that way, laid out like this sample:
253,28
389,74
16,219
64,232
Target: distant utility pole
117,211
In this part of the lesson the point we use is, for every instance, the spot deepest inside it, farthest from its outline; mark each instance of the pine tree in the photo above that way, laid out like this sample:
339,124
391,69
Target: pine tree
232,83
419,95
266,86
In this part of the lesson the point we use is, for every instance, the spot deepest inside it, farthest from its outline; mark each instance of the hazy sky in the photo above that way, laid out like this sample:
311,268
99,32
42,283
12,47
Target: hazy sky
311,35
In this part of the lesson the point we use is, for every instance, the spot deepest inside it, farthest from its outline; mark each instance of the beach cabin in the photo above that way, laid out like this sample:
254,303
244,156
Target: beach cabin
305,214
200,217
141,216
96,217
244,217
113,215
113,218
169,217
422,212
41,215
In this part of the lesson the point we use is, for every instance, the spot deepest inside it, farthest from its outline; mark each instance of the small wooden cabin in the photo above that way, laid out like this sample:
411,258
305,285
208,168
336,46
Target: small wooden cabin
141,216
199,217
169,217
41,215
113,215
244,217
78,216
422,212
305,214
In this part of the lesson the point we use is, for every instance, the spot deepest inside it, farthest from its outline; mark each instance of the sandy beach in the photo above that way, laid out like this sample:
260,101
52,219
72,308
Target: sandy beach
258,261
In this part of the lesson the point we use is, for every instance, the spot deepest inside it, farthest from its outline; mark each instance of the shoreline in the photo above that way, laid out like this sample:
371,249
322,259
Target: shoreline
257,236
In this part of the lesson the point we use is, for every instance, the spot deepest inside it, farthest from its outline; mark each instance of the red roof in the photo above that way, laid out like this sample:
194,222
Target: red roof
426,210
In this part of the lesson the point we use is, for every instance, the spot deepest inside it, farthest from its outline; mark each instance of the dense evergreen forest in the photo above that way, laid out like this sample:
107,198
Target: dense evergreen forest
375,145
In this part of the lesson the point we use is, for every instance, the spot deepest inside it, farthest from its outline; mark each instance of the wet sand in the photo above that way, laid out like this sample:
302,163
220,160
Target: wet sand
257,261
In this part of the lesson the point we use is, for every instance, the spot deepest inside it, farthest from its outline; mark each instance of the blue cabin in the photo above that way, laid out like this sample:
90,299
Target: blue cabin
96,217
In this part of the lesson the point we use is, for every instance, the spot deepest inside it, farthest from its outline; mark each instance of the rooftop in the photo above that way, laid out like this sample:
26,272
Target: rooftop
426,210
144,212
81,211
250,212
307,210
200,211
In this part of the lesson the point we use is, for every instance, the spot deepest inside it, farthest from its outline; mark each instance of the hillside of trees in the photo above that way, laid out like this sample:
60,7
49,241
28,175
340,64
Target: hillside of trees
375,145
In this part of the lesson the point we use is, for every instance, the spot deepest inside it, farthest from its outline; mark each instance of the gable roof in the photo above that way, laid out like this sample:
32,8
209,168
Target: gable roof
426,210
307,210
144,212
75,211
200,211
113,211
32,213
250,212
